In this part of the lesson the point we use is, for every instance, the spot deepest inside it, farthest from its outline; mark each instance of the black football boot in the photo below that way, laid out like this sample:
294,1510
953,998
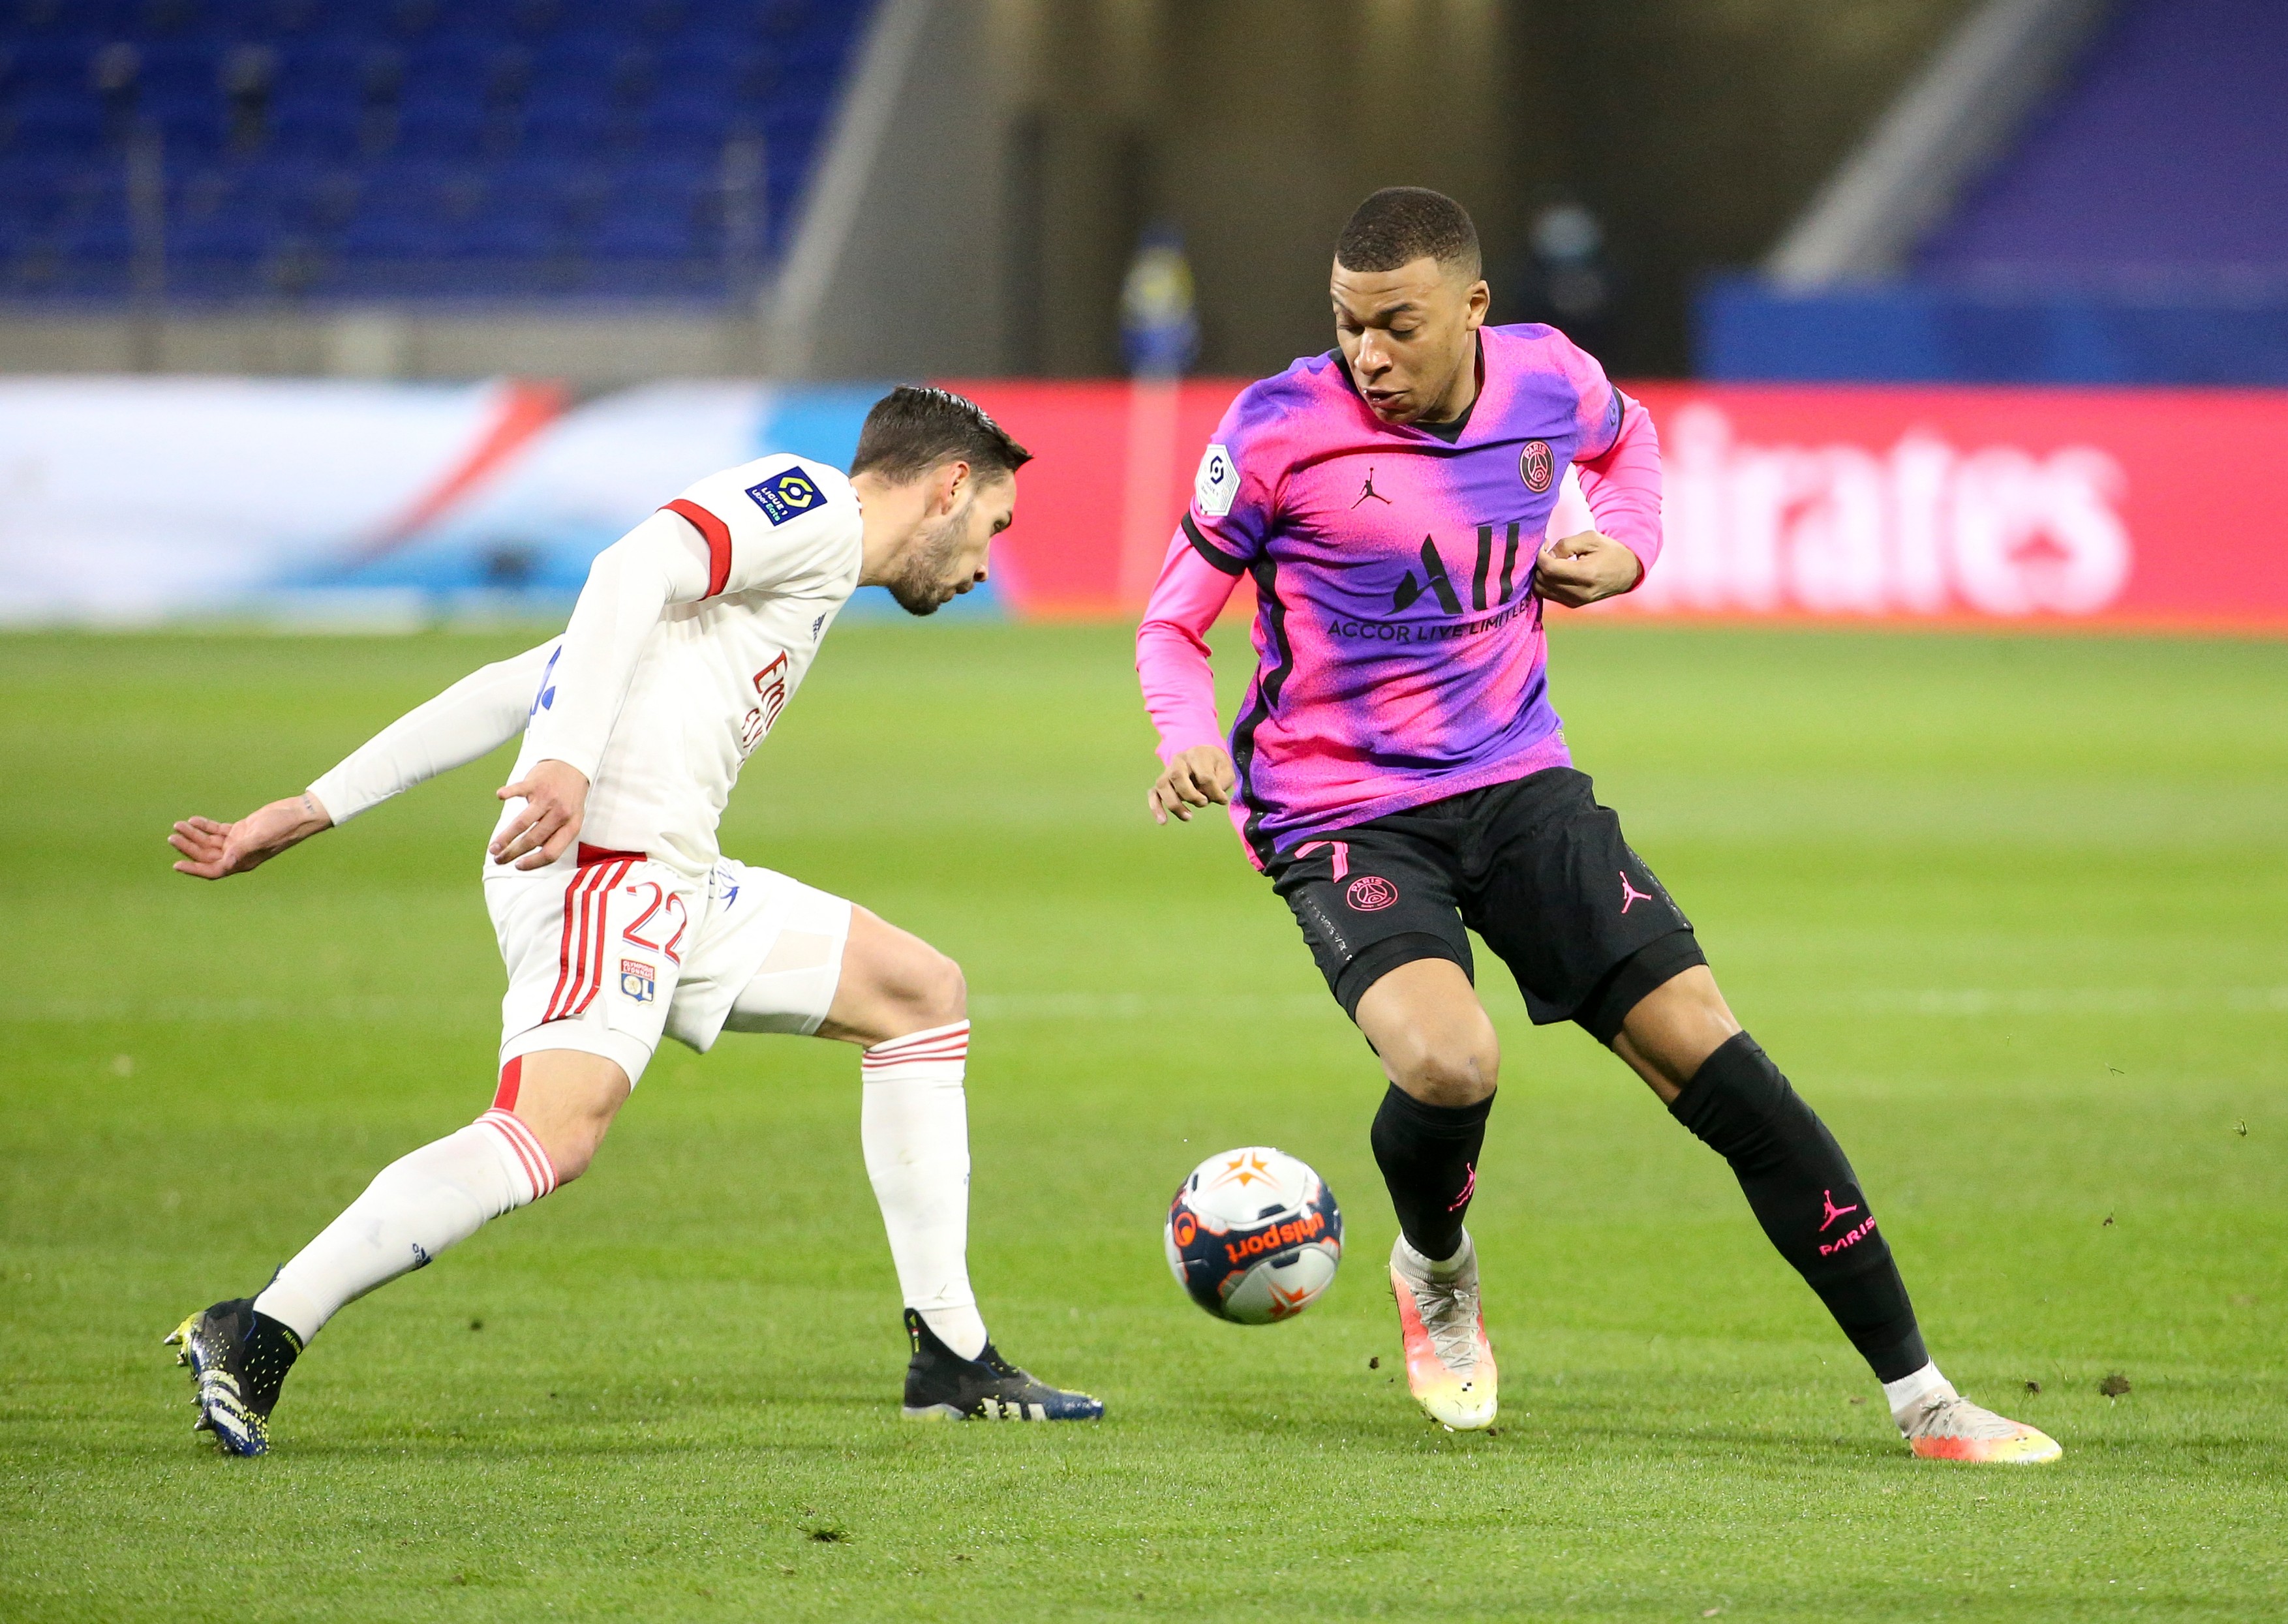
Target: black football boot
239,1359
941,1385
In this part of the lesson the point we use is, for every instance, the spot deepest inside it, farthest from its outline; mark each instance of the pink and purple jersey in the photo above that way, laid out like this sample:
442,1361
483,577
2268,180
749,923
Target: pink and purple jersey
1399,645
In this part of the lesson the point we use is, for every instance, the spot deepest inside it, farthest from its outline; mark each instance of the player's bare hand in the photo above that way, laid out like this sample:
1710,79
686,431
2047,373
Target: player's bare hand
1581,569
555,796
212,851
1200,776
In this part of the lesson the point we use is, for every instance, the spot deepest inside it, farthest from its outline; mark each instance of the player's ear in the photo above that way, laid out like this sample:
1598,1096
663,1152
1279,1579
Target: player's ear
1477,301
952,484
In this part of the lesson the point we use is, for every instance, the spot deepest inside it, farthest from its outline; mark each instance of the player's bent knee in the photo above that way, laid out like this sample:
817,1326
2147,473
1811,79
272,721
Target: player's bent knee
1675,1028
1448,1070
569,1097
940,994
1436,1040
1451,1061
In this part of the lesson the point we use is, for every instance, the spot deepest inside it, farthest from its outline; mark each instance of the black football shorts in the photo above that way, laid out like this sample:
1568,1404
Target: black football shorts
1536,867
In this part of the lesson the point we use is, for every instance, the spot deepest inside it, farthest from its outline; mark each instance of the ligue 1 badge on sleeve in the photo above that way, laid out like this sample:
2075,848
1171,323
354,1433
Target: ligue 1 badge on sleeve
1218,482
637,980
1536,466
785,496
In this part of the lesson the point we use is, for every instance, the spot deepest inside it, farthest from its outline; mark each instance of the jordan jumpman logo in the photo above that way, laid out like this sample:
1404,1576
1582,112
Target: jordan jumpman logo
1827,1199
1368,490
1469,1188
1631,896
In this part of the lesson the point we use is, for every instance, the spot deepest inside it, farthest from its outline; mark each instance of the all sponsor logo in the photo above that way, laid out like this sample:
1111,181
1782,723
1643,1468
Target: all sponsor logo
1536,466
1216,485
1370,893
1188,1229
786,495
638,981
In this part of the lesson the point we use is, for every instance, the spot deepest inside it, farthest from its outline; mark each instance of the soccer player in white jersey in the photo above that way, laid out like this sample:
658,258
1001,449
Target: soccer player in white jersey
618,919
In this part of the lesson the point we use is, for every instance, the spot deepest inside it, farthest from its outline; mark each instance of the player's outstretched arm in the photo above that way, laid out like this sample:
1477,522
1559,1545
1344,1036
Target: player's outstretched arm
213,851
477,714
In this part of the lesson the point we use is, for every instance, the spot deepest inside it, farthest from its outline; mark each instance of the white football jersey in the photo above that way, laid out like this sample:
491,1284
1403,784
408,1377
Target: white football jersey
713,676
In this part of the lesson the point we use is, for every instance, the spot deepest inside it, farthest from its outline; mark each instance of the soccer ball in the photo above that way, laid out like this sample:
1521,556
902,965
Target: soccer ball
1255,1235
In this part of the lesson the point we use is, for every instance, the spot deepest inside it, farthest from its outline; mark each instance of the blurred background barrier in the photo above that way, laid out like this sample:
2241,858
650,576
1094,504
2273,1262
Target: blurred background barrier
126,501
264,264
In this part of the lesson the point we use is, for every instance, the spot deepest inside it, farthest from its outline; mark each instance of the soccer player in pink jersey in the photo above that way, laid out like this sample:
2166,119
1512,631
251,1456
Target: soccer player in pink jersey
1398,772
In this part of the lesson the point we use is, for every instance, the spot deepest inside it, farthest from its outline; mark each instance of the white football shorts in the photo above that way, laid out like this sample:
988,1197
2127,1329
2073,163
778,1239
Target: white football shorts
608,951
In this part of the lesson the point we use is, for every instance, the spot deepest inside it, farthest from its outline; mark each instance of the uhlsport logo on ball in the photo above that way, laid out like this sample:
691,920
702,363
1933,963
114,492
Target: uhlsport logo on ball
1255,1235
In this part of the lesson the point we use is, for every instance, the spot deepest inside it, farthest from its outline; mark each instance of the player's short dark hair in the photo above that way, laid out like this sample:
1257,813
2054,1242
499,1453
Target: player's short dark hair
914,428
1400,225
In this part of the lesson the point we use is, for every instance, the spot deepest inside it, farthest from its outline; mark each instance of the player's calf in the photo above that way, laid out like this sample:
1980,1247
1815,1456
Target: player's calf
1804,1194
1440,1052
424,1202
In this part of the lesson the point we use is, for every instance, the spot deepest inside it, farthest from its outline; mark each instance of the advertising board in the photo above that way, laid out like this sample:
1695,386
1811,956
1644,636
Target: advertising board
136,500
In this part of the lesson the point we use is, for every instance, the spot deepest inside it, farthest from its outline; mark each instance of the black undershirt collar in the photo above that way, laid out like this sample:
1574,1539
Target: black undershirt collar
1450,431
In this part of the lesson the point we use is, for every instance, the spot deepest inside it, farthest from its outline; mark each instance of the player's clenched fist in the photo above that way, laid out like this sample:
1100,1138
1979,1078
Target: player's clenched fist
1581,569
212,851
1200,776
554,794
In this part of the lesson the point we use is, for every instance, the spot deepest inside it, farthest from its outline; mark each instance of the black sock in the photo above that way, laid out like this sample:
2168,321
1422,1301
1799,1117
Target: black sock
1429,1158
270,1351
1806,1196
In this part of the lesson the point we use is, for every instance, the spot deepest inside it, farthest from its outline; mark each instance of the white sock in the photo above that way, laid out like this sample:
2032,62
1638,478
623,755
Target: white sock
914,1128
1909,1393
1440,1268
417,1206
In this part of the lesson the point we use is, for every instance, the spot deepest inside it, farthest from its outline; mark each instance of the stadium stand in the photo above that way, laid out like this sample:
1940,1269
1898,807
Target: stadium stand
228,149
2134,229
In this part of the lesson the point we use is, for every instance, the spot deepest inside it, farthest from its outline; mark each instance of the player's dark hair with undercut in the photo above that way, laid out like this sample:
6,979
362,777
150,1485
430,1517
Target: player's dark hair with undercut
914,428
1400,225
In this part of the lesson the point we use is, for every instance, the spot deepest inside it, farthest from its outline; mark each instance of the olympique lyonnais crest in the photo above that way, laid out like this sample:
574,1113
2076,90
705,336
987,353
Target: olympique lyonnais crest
638,980
1536,466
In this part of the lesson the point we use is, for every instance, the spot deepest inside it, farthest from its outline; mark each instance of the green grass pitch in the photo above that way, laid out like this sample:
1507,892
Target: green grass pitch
2009,910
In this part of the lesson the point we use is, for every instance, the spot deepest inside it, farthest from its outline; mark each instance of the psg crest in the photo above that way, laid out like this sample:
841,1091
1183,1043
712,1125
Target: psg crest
1536,466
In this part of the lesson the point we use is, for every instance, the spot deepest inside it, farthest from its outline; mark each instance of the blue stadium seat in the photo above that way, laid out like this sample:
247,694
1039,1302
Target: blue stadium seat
408,146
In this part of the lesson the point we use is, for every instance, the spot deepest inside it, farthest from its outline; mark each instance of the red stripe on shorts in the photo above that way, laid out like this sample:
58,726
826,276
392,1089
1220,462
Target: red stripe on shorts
594,978
571,962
